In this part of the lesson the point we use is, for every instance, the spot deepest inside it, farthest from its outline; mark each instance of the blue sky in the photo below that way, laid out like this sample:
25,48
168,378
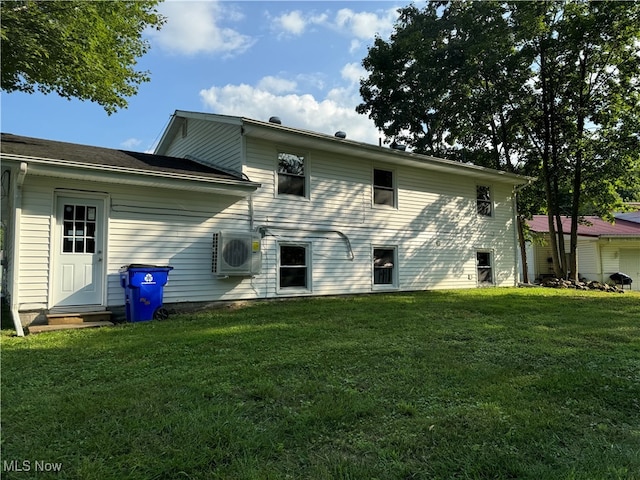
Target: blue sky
299,60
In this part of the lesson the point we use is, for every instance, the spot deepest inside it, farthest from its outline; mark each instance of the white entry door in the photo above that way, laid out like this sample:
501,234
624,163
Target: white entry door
78,271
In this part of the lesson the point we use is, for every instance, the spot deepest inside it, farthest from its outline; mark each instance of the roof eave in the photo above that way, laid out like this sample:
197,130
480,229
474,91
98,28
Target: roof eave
306,139
622,235
130,176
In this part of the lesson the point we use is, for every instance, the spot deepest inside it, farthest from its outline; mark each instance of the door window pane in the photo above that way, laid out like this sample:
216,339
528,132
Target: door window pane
79,229
80,212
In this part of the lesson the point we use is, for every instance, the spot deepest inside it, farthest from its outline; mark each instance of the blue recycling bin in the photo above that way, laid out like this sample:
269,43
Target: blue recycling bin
143,290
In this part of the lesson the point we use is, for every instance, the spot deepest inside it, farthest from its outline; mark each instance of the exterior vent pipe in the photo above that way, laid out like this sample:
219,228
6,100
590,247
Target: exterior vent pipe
341,134
275,120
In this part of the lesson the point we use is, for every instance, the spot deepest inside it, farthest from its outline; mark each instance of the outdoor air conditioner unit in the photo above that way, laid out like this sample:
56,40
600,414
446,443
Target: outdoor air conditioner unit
236,254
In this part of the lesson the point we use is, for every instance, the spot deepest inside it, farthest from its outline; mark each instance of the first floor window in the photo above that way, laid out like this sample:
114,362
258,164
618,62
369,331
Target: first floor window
485,270
294,269
384,260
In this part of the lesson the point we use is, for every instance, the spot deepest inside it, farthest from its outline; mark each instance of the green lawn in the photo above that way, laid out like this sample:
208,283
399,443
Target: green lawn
475,384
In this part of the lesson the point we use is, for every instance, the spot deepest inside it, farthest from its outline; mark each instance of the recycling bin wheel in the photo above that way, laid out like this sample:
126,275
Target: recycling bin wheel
161,314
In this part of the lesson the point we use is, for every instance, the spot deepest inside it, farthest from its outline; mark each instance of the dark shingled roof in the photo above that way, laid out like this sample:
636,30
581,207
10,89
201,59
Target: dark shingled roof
72,152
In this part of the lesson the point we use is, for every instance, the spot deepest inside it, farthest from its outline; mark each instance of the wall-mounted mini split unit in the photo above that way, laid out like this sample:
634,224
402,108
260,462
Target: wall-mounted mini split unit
236,254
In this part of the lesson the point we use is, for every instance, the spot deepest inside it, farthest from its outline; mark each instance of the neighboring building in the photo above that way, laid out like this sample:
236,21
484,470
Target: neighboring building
603,248
246,209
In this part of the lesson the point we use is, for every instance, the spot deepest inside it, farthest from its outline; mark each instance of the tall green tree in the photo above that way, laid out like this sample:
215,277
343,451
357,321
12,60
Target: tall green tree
542,88
82,49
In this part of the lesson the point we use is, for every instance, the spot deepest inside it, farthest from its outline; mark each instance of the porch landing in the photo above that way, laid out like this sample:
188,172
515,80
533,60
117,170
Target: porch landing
68,321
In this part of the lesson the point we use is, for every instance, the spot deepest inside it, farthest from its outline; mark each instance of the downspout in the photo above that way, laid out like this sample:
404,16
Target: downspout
15,261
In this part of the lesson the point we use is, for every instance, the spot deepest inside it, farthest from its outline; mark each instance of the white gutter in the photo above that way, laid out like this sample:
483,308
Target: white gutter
132,176
303,138
15,261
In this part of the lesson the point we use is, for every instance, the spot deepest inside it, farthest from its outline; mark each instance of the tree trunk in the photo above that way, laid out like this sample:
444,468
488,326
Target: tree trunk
523,251
577,177
551,198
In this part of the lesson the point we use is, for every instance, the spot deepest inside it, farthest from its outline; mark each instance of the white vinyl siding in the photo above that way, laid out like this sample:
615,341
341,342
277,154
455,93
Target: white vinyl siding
436,224
630,265
35,243
217,145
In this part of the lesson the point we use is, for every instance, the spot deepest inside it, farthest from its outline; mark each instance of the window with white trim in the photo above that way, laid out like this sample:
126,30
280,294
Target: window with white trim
292,172
384,266
484,263
384,188
484,203
293,269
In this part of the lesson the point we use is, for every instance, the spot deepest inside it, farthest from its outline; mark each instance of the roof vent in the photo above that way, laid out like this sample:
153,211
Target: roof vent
275,120
398,146
341,134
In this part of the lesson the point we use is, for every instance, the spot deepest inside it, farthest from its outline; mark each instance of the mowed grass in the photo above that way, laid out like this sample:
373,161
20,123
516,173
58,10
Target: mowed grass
475,384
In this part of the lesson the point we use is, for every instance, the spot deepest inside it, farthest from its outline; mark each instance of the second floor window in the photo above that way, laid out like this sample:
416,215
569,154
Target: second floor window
483,200
291,174
384,192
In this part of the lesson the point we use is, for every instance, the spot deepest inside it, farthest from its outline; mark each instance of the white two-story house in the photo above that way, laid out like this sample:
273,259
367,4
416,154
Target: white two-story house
246,209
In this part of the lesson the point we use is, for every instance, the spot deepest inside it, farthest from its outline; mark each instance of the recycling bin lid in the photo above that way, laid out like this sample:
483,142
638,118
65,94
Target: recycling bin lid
144,266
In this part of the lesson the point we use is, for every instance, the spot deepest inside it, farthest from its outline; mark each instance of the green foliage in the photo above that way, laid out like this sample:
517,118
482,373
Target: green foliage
488,383
547,89
82,49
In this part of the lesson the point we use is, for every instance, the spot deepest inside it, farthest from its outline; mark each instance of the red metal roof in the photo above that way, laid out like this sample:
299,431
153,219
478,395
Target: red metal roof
594,227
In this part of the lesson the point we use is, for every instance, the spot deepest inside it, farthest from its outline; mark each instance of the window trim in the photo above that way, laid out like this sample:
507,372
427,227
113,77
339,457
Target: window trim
394,285
489,202
492,267
308,265
394,187
306,176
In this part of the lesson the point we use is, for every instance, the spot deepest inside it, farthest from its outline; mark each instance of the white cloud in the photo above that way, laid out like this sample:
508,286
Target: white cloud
361,26
353,72
131,143
365,25
276,85
335,112
292,22
195,27
296,22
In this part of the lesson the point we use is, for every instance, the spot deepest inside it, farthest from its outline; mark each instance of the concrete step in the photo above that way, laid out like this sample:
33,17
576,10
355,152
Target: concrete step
78,317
